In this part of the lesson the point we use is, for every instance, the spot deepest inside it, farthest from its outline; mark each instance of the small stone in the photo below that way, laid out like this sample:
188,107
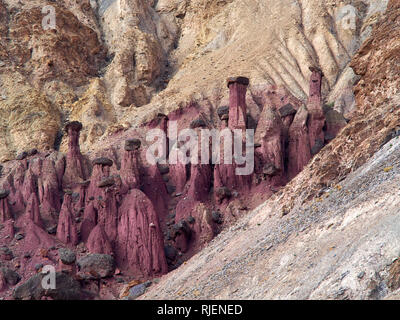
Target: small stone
170,252
96,266
361,275
223,111
132,144
287,110
163,169
198,123
4,193
170,189
19,236
103,161
107,182
242,80
22,155
223,193
217,217
137,291
32,152
12,278
52,230
191,220
67,256
74,125
270,170
38,267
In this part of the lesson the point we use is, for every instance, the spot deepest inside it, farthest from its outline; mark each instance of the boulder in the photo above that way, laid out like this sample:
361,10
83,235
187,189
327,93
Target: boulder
67,288
96,266
67,257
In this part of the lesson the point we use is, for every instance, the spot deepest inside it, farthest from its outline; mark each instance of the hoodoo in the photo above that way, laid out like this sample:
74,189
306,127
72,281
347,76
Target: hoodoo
101,170
98,241
66,229
74,166
139,245
5,212
130,169
32,211
316,121
237,102
299,153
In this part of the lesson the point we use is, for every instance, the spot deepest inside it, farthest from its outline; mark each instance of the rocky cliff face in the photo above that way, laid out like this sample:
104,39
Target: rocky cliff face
79,99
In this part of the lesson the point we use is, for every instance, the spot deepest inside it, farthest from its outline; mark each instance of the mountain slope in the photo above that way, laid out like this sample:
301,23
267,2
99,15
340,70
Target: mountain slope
332,232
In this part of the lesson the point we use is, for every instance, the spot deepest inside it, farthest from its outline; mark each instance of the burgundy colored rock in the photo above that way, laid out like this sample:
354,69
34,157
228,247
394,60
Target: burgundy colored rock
15,183
49,191
66,229
8,229
299,151
201,231
98,241
155,189
108,213
161,122
89,220
130,168
5,212
316,120
101,170
237,102
178,176
29,186
139,246
32,211
200,182
102,161
225,173
83,186
36,237
74,168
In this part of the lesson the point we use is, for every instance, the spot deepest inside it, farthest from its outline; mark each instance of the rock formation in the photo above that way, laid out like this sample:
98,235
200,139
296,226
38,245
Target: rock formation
89,221
130,168
139,245
98,241
32,210
237,102
316,121
74,164
5,212
66,229
299,151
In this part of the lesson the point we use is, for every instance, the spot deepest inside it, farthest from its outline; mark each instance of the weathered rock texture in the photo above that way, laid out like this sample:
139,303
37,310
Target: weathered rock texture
113,69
